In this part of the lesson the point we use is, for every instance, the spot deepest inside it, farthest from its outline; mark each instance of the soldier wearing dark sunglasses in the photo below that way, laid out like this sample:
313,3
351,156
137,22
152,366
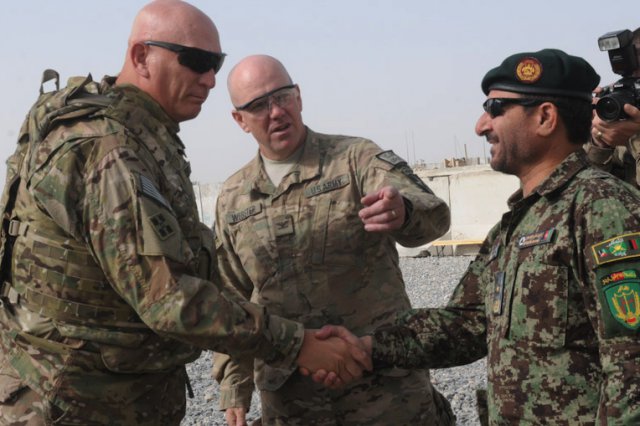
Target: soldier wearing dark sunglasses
553,298
108,286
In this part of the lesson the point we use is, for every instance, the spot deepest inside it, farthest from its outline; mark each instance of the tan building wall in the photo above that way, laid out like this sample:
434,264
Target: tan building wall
476,195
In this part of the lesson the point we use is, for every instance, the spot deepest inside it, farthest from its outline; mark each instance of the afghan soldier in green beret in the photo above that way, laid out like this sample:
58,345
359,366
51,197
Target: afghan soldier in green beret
108,284
614,146
308,229
553,297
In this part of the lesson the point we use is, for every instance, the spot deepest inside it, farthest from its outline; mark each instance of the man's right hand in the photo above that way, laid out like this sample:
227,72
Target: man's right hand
333,354
329,378
236,416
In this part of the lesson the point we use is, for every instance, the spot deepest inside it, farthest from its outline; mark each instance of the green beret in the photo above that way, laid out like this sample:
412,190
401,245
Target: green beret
547,72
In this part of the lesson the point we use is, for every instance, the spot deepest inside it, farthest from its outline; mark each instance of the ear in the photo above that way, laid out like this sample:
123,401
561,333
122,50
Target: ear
139,54
547,119
237,116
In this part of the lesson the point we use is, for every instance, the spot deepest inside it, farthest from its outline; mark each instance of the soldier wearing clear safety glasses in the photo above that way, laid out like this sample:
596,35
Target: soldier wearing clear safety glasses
108,286
308,229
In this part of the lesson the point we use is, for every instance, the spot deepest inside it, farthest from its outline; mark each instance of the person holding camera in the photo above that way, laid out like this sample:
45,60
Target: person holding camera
615,130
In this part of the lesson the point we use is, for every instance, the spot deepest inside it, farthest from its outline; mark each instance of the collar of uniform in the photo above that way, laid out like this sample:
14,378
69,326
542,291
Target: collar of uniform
137,98
565,171
557,180
310,164
307,168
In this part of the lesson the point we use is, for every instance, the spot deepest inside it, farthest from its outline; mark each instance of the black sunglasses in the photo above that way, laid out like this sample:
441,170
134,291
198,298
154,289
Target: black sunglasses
495,106
197,60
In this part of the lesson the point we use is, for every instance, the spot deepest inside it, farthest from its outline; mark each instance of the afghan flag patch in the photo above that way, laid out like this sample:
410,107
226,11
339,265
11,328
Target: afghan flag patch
617,248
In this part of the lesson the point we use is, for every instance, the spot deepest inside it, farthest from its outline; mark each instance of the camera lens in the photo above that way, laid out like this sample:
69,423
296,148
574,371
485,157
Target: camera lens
611,107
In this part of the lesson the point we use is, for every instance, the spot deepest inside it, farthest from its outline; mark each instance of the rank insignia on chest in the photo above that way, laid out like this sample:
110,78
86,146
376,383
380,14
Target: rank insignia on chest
536,238
495,250
283,225
622,291
498,293
617,248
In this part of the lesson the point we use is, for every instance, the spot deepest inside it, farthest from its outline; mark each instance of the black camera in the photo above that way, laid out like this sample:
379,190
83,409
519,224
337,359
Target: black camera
624,61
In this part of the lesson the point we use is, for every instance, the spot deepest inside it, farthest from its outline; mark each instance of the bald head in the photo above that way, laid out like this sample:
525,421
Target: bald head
255,75
171,21
174,21
277,126
159,70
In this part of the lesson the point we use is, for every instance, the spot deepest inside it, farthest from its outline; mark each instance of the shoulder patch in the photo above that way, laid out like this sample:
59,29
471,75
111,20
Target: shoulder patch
621,290
617,248
239,216
327,185
390,157
149,190
161,226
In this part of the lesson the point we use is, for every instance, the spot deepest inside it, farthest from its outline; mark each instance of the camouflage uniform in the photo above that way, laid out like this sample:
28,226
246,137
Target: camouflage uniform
622,161
300,249
552,299
109,291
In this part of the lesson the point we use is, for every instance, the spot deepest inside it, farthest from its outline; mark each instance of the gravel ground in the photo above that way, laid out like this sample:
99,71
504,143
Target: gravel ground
429,281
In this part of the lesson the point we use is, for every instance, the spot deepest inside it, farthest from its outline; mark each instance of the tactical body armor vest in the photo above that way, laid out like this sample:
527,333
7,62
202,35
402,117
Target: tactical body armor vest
33,246
53,276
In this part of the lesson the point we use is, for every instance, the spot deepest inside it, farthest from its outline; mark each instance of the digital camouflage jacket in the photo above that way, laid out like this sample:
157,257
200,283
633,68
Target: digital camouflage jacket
553,300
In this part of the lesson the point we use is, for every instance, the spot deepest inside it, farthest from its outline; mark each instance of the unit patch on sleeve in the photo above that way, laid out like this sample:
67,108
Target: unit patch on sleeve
621,290
327,185
617,248
390,157
536,238
161,226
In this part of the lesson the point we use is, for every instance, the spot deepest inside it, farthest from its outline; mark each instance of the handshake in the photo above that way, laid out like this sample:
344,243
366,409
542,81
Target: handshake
334,356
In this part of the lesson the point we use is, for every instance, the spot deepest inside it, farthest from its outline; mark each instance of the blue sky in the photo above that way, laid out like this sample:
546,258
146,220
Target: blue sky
405,73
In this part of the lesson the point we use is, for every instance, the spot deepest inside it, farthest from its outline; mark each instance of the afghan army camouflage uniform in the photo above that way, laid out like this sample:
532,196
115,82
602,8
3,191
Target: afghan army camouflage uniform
301,250
553,298
622,161
108,293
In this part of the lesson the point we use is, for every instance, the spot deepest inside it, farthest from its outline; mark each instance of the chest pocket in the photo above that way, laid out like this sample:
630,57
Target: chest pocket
252,242
338,232
538,309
